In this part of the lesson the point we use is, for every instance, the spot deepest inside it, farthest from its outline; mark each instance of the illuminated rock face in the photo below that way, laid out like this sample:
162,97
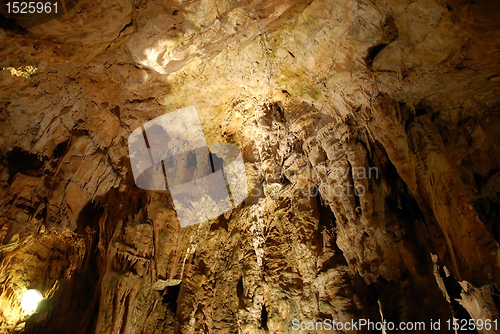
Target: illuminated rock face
370,136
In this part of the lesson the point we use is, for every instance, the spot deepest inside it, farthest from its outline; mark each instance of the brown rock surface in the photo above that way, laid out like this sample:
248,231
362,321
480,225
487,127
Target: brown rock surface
370,132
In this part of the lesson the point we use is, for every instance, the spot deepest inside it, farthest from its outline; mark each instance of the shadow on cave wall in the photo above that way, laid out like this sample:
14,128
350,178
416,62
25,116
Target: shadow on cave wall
74,308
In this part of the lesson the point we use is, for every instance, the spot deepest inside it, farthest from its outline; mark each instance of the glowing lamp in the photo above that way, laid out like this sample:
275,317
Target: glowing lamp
30,301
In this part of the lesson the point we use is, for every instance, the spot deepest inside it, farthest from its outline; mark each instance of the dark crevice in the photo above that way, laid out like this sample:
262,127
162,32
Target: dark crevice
390,34
240,293
454,290
89,218
354,189
326,228
191,160
372,53
170,297
116,111
10,24
20,161
489,213
60,149
217,162
263,318
221,223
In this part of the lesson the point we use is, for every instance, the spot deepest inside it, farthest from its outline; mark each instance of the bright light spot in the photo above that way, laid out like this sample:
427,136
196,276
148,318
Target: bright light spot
25,72
30,301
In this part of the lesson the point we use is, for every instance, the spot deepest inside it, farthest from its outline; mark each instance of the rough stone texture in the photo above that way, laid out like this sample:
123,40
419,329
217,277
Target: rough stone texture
397,99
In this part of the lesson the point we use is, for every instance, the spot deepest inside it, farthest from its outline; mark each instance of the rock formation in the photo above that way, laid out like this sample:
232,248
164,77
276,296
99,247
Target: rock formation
370,131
